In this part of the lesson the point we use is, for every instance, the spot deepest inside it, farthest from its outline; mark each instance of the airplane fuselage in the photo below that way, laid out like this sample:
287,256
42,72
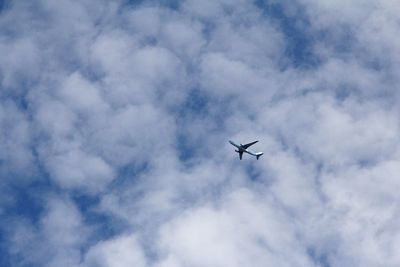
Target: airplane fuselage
242,149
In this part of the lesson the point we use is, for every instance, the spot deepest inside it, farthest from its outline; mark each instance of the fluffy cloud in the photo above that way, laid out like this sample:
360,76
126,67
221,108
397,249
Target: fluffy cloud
242,226
55,241
115,117
121,252
16,157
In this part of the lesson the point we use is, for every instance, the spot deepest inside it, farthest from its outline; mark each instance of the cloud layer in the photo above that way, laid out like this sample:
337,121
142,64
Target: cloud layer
115,116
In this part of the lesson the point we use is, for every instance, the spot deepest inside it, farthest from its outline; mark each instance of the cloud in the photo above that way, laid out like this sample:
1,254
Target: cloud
15,138
123,251
241,226
76,169
115,118
55,241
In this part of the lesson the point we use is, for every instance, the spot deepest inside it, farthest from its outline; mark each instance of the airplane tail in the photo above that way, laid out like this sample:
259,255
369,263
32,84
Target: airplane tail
259,154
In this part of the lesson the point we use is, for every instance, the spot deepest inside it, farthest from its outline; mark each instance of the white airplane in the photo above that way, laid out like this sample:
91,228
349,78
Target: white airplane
243,148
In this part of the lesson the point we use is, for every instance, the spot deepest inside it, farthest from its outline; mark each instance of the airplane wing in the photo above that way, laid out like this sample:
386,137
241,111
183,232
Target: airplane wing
249,144
232,143
240,155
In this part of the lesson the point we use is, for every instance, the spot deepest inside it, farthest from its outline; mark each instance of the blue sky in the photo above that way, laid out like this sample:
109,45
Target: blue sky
115,116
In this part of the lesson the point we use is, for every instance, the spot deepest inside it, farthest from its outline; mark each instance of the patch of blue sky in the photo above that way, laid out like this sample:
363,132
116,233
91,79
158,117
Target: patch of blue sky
17,89
3,4
26,201
173,4
194,107
16,259
186,150
321,259
5,259
255,174
103,225
27,190
129,174
204,112
17,98
300,40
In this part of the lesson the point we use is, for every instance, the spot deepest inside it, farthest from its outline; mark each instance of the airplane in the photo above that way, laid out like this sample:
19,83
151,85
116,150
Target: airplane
243,148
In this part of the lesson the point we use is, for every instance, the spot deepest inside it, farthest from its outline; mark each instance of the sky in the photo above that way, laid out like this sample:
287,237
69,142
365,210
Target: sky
115,118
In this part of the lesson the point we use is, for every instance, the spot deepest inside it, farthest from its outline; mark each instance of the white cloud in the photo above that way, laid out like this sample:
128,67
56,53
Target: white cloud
20,62
81,96
95,97
56,241
365,203
15,154
76,169
222,76
241,230
123,251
